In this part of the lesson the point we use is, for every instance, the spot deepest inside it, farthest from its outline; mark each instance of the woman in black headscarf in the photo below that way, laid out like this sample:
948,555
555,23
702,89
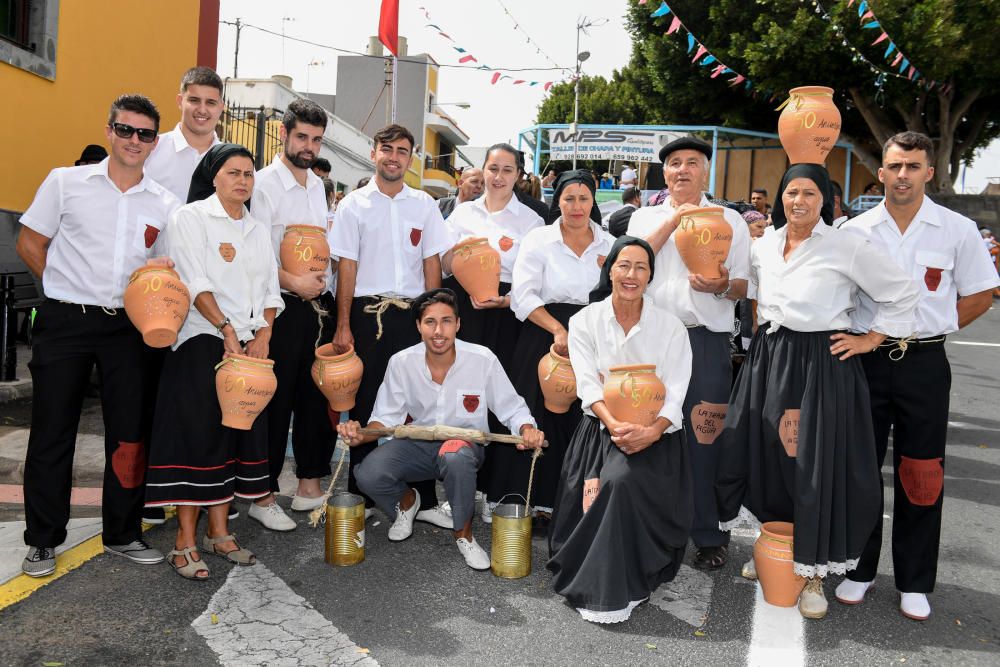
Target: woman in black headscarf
225,258
624,506
798,443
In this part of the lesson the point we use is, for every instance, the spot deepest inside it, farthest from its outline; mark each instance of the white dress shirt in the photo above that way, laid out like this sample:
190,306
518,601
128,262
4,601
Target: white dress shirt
200,238
504,229
548,271
671,289
173,161
816,288
100,235
279,201
943,254
475,384
597,342
389,238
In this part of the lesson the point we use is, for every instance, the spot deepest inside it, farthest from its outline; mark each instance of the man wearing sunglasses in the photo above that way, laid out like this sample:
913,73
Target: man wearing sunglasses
86,231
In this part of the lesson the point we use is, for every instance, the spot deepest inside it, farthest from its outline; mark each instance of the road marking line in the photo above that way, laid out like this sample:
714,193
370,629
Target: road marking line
22,585
687,597
256,619
972,427
969,342
778,635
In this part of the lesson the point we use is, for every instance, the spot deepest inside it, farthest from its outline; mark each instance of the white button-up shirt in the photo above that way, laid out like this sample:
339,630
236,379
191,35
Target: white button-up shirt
100,235
279,201
389,238
943,254
670,287
597,342
173,161
816,288
548,271
475,384
504,229
232,259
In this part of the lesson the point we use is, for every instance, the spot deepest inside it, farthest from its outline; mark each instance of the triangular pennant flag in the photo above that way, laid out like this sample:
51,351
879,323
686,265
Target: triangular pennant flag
868,15
899,56
892,47
911,72
749,84
459,49
435,26
533,83
701,51
884,37
862,7
691,42
642,2
496,77
468,58
548,84
871,25
517,81
849,3
903,66
737,81
674,26
662,11
446,36
708,61
721,69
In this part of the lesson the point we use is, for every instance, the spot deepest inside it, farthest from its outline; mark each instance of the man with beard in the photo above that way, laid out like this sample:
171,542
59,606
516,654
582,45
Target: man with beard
289,193
470,187
389,238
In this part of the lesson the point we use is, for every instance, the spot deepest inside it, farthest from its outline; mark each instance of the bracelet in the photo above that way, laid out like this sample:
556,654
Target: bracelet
724,293
222,325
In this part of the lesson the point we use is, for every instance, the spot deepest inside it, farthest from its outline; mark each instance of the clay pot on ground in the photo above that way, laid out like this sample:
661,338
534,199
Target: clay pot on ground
245,386
476,266
634,394
558,382
703,238
157,302
304,250
338,376
773,558
809,124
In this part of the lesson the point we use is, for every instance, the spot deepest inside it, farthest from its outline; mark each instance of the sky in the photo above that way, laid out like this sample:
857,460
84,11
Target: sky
485,28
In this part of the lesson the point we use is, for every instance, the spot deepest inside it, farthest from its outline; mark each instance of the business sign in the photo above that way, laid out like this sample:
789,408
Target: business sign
609,144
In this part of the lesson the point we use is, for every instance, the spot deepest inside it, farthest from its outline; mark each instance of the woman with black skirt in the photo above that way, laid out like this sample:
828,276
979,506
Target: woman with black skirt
798,443
554,272
226,260
624,506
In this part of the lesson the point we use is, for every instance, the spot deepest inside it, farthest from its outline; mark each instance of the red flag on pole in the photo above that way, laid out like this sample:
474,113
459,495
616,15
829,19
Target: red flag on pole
388,26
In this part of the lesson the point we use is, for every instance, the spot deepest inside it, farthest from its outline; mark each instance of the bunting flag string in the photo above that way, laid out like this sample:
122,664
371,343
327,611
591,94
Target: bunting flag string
528,39
868,21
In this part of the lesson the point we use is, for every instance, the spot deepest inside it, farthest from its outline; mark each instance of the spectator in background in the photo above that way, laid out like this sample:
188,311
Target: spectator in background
872,190
362,182
531,185
756,223
321,167
470,187
532,201
607,183
331,201
550,178
92,154
841,213
758,199
618,222
629,178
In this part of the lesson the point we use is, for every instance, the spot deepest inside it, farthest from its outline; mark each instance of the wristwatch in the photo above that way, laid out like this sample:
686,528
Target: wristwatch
222,325
724,293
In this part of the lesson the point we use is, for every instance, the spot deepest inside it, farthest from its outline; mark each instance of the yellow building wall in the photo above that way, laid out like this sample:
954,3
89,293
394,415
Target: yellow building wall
105,48
432,80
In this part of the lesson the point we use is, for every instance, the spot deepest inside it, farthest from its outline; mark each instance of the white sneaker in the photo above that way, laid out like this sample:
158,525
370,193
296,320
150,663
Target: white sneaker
369,512
852,592
486,514
439,515
749,570
402,526
914,606
812,602
271,517
473,554
306,504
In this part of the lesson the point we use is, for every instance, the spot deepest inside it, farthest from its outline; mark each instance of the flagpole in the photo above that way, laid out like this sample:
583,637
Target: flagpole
395,85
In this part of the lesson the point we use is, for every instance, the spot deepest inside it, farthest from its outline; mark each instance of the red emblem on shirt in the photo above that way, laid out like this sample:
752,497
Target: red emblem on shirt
471,402
600,260
150,235
415,236
922,480
506,243
129,464
932,278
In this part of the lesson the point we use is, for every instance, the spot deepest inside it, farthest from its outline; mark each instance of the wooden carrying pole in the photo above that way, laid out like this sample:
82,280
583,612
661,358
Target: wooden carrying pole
439,432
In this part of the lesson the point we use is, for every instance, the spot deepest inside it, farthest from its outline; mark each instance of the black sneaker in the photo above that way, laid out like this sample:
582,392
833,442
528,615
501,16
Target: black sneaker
154,516
137,552
40,562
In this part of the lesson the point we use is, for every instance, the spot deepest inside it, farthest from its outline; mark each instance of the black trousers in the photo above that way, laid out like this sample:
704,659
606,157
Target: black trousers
910,397
68,340
399,331
297,401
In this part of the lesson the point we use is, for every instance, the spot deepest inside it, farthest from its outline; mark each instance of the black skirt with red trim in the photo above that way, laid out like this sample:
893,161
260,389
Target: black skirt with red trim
193,458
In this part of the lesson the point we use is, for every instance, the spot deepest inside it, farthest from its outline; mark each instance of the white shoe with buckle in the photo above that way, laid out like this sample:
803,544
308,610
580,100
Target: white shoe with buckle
402,526
439,515
915,606
812,602
852,592
473,554
271,517
749,570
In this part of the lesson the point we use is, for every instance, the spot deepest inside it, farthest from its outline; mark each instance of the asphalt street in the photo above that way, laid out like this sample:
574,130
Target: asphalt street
416,603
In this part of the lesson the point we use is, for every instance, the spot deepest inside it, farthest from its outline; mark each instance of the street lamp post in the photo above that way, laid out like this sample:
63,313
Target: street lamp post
581,26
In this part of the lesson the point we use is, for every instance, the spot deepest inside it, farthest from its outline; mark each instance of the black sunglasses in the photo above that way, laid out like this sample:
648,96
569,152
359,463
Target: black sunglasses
124,131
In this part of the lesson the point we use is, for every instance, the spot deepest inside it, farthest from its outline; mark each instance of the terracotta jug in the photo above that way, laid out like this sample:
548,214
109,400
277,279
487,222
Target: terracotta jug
634,394
338,376
558,382
157,302
703,238
476,266
245,386
772,556
304,250
809,124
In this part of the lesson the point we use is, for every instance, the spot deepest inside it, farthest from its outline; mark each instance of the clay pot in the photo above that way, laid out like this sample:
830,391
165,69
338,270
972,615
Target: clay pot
476,266
338,376
809,124
245,386
558,382
772,556
703,238
157,302
304,250
634,394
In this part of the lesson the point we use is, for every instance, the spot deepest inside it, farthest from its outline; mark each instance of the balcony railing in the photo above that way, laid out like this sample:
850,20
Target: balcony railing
441,163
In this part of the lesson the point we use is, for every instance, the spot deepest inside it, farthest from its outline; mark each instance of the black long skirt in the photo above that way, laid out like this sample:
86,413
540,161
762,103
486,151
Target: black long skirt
632,537
508,468
193,458
798,446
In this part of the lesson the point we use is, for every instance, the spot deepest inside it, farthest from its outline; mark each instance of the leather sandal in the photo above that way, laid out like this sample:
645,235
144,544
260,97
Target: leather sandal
191,567
238,556
711,558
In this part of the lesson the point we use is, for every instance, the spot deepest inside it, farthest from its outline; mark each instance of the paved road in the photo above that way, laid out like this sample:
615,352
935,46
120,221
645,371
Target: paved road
415,603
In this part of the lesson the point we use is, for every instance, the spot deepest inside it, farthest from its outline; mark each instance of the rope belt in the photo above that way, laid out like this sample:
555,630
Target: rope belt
381,306
899,345
107,311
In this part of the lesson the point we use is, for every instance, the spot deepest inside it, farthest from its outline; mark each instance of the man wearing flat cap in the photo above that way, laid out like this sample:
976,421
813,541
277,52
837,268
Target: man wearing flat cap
706,306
